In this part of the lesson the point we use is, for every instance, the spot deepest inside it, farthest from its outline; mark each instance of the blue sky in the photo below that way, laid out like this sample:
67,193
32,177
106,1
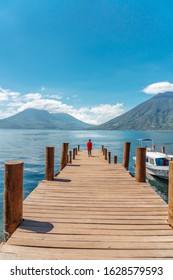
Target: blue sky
93,59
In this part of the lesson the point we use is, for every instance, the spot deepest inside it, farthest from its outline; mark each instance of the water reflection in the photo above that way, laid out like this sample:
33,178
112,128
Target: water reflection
159,185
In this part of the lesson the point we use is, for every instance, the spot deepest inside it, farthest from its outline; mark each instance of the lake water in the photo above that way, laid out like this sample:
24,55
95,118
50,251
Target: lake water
29,146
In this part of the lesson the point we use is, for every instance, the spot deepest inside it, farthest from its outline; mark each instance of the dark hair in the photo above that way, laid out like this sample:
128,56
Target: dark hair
89,140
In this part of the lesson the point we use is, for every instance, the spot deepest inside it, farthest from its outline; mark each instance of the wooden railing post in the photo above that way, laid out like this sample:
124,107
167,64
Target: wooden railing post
163,149
115,159
74,153
70,156
49,166
13,196
78,147
126,155
170,195
109,157
140,164
64,154
106,154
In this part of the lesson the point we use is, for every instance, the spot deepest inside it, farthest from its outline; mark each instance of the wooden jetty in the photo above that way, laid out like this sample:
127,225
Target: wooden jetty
92,210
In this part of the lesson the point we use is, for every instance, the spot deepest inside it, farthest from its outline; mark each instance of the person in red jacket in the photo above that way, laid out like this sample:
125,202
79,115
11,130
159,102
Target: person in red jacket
89,147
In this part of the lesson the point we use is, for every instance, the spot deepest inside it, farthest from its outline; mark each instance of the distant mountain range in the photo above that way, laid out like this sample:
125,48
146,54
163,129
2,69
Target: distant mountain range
42,119
153,114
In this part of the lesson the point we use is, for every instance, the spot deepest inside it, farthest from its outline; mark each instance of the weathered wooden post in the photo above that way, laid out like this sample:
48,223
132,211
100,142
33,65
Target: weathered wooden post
115,159
109,157
78,148
74,153
170,195
102,149
163,149
64,154
126,155
49,166
106,153
70,156
140,164
13,196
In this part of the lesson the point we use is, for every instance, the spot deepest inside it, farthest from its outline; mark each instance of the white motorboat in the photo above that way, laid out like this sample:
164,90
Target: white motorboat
157,164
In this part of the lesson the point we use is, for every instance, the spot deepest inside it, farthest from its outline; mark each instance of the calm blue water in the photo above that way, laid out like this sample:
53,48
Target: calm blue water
29,146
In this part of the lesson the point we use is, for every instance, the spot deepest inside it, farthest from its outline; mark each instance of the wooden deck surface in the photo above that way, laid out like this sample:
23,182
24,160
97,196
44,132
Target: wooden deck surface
92,210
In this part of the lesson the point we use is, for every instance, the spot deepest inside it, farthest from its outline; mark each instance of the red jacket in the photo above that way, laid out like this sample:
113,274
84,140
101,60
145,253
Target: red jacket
89,146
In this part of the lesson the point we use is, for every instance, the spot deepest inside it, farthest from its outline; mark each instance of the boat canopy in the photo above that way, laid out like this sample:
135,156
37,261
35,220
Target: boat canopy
156,155
144,139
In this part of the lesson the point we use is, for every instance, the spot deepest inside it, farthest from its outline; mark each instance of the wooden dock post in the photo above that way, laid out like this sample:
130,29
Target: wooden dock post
13,196
109,157
78,147
70,156
115,159
163,149
49,166
74,153
170,195
64,154
106,153
140,164
102,149
126,155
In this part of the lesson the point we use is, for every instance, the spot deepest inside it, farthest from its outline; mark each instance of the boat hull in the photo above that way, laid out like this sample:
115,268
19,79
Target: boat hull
155,171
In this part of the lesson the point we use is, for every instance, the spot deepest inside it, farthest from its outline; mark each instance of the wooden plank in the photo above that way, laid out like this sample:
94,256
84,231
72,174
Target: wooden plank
87,238
90,244
89,226
94,254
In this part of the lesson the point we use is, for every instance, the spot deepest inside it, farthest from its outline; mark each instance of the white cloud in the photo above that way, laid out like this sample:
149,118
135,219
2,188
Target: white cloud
33,96
6,94
53,106
160,87
107,112
53,96
99,114
14,102
3,96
